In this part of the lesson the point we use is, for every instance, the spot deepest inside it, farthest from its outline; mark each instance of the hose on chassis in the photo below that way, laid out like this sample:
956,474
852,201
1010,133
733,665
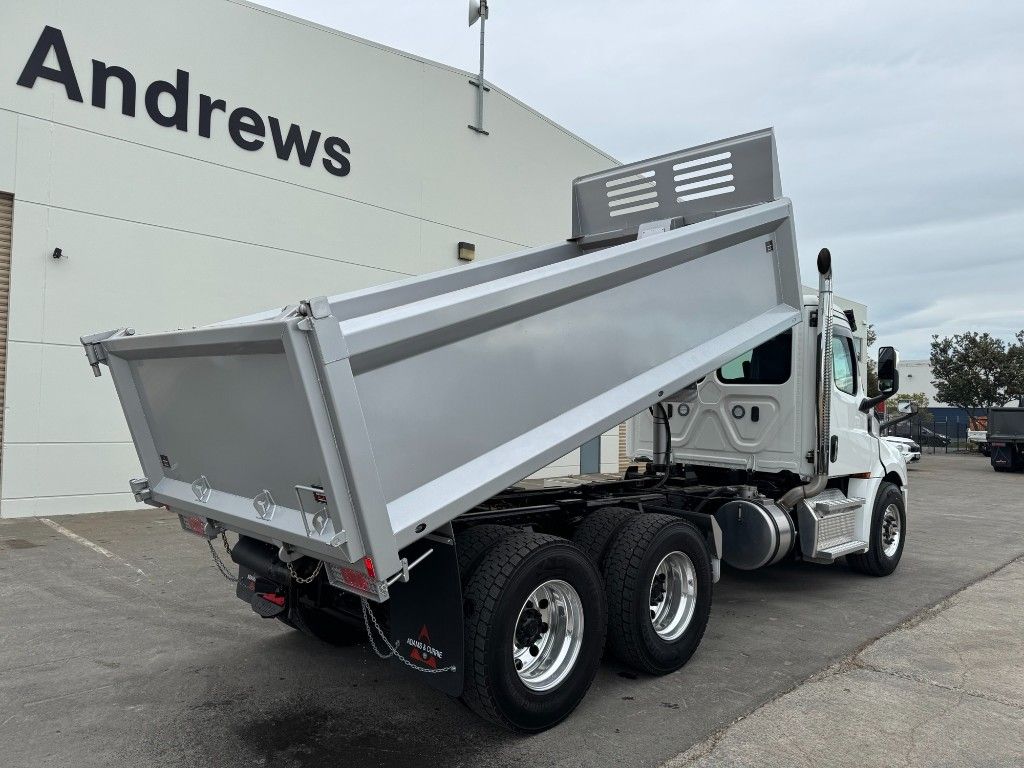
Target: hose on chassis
668,444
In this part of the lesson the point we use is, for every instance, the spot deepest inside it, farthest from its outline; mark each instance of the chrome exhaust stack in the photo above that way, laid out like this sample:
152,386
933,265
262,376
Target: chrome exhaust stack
823,444
827,519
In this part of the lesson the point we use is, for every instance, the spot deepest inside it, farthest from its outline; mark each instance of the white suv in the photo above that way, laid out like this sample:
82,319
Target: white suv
910,450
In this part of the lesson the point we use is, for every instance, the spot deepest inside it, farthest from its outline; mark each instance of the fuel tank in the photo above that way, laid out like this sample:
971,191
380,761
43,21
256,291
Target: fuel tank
755,532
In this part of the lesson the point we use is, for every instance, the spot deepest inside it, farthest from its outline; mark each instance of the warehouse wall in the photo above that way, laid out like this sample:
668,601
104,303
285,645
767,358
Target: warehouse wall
164,228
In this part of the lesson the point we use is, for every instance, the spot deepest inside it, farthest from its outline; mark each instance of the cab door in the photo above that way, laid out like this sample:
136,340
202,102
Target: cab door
853,449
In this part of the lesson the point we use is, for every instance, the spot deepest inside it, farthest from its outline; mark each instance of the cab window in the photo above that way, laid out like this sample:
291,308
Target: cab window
844,364
769,363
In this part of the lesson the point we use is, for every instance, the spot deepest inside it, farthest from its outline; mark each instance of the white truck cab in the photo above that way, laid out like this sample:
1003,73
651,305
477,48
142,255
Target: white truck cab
755,420
754,414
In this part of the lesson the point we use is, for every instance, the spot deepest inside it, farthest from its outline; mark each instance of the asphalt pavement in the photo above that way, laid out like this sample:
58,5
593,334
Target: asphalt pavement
121,645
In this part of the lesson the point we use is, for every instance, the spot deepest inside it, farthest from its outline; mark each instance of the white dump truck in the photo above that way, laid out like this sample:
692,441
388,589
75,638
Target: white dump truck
368,450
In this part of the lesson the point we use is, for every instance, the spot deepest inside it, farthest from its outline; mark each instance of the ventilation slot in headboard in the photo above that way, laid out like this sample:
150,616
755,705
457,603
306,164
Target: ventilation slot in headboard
632,193
704,181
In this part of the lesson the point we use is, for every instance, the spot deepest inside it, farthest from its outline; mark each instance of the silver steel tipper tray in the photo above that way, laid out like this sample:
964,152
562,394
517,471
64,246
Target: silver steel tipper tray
348,427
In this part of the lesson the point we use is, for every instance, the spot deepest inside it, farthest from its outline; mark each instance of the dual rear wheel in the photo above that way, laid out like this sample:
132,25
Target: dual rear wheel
535,629
657,575
538,608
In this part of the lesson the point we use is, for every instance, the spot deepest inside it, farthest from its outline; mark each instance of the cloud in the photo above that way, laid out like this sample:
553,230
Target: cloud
900,125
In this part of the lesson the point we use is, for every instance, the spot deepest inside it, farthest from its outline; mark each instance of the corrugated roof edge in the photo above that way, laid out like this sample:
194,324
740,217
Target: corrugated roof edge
430,62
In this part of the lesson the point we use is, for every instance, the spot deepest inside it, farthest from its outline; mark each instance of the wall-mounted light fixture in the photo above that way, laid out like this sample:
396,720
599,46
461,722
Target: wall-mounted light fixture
57,253
467,251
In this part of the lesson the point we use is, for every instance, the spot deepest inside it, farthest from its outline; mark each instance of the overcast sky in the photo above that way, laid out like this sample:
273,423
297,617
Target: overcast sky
900,124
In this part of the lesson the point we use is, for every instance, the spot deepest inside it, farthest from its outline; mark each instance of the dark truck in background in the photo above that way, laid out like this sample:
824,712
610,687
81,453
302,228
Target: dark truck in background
1006,439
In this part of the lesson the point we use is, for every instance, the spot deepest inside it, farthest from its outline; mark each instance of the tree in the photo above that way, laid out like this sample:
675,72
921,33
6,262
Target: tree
1012,375
970,371
892,405
872,365
872,336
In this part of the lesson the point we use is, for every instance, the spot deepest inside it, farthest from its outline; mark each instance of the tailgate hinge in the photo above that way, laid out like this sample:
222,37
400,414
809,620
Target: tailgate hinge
94,351
318,308
318,320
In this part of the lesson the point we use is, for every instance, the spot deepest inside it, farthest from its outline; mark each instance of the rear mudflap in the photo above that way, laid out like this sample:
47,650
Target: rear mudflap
427,613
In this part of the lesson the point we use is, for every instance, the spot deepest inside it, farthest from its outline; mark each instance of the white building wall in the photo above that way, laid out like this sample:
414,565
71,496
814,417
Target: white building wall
165,228
916,377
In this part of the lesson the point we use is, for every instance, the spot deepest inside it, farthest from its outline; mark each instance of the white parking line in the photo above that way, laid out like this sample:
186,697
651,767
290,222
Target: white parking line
86,543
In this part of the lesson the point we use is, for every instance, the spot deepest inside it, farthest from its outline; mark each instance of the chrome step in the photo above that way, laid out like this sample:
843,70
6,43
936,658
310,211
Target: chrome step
849,548
828,526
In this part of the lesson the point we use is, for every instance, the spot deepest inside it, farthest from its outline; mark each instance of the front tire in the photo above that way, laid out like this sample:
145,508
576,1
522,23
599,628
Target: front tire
535,630
888,534
658,578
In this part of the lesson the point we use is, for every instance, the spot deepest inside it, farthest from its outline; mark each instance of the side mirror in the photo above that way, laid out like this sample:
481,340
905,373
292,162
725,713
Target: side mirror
888,374
888,378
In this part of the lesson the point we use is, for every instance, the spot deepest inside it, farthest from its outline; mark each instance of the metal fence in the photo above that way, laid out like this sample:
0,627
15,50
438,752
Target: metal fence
939,434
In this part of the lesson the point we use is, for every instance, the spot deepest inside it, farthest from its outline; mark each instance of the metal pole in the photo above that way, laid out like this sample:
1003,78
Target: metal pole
480,87
480,82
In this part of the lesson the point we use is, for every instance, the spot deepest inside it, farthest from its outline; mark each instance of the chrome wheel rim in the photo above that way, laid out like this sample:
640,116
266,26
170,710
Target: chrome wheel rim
673,596
891,530
548,635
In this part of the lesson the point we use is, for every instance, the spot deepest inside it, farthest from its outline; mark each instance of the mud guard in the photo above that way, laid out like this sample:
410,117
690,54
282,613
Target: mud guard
426,612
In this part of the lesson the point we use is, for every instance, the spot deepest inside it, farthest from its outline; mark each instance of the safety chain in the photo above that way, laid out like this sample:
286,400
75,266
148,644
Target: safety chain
224,570
368,618
374,633
308,579
227,574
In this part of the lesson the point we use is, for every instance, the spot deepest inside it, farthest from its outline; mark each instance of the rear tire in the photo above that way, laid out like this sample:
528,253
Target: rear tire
658,578
504,625
888,534
472,543
596,531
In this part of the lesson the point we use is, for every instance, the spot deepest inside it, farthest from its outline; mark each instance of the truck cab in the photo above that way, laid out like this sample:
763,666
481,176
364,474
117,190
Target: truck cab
755,413
755,420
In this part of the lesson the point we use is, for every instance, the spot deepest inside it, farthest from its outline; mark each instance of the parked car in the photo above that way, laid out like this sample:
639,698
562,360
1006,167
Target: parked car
922,435
910,450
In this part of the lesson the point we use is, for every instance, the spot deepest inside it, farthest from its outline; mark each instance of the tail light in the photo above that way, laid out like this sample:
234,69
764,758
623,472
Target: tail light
199,526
